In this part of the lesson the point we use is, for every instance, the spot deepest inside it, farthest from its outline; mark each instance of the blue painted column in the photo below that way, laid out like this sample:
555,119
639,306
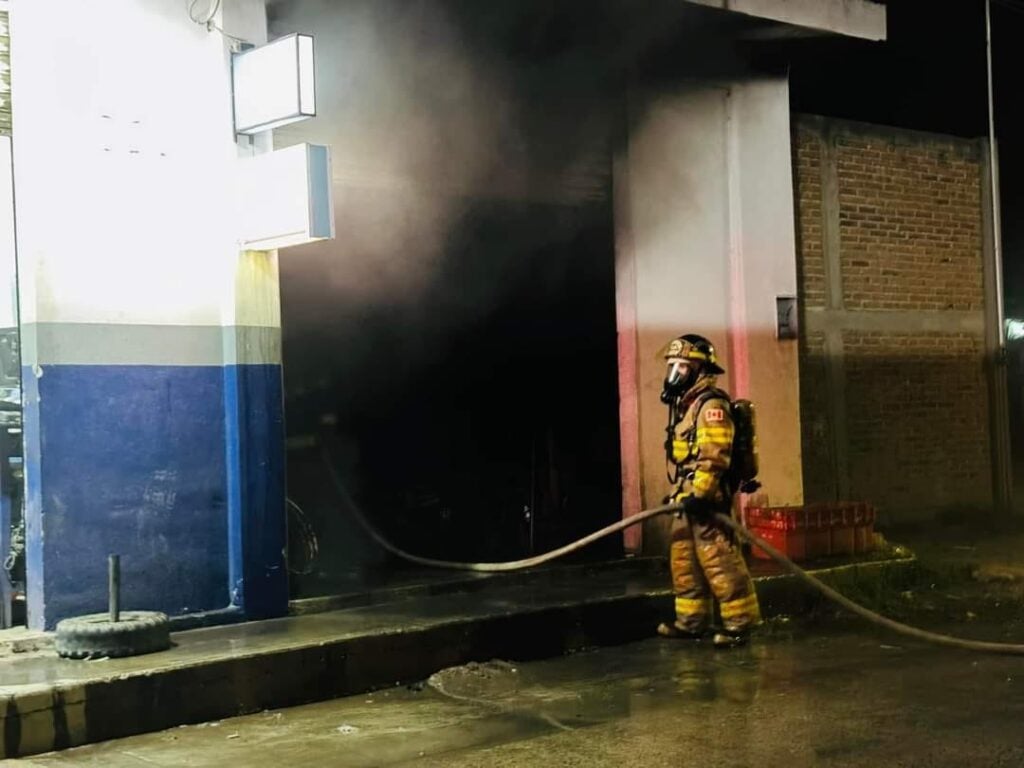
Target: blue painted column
151,344
254,437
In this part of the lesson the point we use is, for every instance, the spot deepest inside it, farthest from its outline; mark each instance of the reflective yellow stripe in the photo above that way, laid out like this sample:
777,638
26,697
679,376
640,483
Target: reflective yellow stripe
703,481
680,449
716,433
744,606
720,443
686,606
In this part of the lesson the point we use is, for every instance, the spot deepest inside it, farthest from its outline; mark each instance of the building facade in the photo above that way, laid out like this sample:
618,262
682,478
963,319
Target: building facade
470,157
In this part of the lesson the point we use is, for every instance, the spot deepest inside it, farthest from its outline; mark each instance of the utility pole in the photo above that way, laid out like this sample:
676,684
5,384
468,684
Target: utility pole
1002,468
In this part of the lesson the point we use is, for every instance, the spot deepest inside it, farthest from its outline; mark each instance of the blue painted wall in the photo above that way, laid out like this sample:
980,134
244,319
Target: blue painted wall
145,461
254,405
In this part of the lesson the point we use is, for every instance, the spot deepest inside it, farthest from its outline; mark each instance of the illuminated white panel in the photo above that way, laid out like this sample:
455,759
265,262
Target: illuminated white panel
307,76
285,198
274,84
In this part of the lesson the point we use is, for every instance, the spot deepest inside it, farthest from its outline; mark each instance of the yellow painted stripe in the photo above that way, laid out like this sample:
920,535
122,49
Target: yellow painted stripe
686,606
744,606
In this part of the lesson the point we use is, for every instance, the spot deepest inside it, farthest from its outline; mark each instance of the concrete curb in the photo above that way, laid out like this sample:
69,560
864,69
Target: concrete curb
21,641
62,714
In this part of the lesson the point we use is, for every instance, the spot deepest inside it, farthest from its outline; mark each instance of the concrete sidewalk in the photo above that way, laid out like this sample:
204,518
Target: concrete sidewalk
50,703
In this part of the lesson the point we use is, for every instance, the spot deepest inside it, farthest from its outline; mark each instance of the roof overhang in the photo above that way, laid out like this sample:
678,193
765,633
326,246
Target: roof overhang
852,18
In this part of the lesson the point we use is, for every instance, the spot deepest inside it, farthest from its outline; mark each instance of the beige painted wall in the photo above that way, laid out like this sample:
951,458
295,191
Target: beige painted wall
705,243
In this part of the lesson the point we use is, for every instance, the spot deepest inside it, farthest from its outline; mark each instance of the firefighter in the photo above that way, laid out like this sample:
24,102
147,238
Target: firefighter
705,559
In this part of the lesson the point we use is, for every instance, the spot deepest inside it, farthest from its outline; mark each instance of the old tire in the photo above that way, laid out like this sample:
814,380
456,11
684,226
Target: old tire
96,636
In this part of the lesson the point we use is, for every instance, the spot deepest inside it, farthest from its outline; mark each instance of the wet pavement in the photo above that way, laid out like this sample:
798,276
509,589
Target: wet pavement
824,695
48,703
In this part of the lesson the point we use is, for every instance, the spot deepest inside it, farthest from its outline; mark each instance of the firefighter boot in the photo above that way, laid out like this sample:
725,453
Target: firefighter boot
725,639
678,632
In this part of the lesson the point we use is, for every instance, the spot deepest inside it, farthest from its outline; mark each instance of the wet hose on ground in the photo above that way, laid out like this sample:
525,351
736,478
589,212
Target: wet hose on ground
982,646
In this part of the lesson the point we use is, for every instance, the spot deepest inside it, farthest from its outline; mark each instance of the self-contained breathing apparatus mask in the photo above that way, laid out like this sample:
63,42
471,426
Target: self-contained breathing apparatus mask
687,358
679,378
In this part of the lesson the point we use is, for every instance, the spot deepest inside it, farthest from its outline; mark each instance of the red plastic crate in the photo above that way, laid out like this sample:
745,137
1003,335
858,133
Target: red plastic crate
793,544
819,542
864,539
864,528
842,540
814,530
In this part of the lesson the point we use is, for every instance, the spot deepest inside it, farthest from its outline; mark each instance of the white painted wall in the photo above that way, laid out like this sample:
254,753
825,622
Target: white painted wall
764,237
124,161
8,272
705,243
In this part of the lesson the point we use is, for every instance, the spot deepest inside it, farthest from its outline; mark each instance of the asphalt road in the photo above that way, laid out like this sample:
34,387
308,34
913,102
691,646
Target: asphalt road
827,695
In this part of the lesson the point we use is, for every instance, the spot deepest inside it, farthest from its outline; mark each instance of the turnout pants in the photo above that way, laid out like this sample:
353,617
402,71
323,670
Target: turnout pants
707,563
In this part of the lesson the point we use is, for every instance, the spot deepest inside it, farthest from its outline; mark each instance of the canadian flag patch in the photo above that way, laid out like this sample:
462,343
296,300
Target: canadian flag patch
713,415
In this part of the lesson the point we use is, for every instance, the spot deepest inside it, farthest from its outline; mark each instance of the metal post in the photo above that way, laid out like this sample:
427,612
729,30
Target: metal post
6,587
994,178
1002,465
114,586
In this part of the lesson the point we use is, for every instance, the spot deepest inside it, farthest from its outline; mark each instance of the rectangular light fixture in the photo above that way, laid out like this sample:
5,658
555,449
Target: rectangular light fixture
285,198
274,84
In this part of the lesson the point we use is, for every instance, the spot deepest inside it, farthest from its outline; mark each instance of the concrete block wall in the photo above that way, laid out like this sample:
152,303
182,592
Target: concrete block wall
151,344
891,268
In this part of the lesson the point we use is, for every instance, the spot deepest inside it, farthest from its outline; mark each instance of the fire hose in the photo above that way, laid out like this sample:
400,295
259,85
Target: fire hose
982,646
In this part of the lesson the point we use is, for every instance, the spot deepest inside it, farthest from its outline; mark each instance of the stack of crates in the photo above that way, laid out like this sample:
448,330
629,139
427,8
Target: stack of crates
814,530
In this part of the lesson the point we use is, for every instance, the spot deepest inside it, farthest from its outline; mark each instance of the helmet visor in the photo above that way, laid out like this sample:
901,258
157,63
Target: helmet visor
679,372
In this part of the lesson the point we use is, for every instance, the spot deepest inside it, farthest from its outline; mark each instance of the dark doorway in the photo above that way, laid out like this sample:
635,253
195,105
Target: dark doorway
476,420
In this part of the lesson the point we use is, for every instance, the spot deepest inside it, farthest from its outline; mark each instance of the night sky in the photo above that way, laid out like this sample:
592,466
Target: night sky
931,75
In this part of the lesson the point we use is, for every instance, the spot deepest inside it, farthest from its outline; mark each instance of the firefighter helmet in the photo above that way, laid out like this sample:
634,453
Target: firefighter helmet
693,347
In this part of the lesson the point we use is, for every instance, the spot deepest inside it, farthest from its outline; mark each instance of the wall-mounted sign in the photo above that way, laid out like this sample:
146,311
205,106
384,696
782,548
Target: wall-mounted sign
285,198
274,84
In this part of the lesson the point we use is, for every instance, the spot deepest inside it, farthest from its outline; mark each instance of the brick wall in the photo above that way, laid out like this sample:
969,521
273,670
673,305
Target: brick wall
910,224
5,74
894,399
807,187
817,444
918,421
